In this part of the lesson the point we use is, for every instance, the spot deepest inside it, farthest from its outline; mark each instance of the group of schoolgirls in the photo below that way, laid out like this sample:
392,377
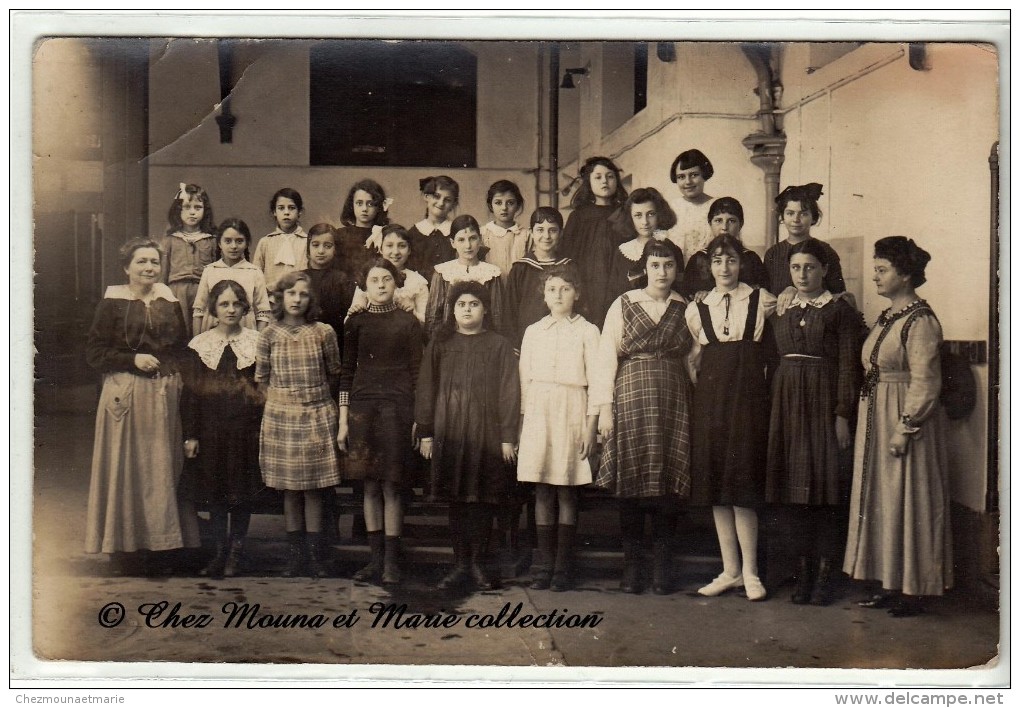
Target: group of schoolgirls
475,347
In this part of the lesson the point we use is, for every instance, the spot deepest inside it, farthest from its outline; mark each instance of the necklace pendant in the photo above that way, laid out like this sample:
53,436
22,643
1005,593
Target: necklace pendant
803,323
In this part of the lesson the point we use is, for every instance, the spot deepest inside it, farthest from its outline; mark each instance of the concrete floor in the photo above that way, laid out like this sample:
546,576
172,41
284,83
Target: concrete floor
680,634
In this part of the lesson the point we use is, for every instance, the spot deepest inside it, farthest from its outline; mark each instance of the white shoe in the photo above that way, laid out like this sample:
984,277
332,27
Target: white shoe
721,584
754,589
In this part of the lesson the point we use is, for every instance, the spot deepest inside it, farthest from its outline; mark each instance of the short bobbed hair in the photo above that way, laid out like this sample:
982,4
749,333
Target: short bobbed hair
287,282
688,159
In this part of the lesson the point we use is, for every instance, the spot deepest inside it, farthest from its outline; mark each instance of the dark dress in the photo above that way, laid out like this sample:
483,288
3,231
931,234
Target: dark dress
429,250
468,400
334,290
777,268
649,453
525,300
223,411
730,430
382,357
698,274
589,239
818,378
624,274
352,253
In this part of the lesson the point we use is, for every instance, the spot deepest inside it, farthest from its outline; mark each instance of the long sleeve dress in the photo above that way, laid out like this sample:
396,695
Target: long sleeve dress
777,267
525,299
356,245
818,379
245,274
334,290
468,401
642,372
381,361
899,506
623,273
445,275
505,246
223,411
730,421
297,447
589,239
430,246
185,256
137,458
278,253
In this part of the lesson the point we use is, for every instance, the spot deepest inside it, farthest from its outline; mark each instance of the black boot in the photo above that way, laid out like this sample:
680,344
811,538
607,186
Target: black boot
372,573
662,570
631,580
542,564
391,562
563,574
215,567
295,554
802,593
822,592
235,557
460,573
318,563
483,581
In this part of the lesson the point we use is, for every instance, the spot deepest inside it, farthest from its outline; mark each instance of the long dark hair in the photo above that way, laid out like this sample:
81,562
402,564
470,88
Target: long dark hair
584,195
206,226
238,226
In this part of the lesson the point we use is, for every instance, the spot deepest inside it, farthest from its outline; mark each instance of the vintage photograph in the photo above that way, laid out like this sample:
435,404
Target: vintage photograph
659,352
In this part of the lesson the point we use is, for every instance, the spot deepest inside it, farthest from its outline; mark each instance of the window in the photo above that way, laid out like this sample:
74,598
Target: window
407,104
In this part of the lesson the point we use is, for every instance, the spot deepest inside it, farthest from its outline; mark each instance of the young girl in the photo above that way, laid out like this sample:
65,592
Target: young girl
525,298
467,409
430,243
284,249
413,294
689,172
644,216
333,287
298,360
725,216
588,237
798,212
643,392
466,242
189,245
363,214
505,240
382,356
814,394
558,358
222,416
730,432
232,247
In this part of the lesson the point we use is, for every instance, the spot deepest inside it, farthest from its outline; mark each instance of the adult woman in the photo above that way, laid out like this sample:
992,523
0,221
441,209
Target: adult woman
643,391
137,339
899,505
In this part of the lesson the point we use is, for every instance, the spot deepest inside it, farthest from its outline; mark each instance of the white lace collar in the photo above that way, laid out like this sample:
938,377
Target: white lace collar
821,301
426,227
210,345
454,271
633,249
123,292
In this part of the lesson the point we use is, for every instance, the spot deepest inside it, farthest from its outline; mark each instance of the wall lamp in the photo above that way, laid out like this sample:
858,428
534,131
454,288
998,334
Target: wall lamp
569,74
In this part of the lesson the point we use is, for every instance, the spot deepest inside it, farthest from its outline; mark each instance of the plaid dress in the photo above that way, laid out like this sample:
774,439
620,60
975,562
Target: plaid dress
649,452
297,447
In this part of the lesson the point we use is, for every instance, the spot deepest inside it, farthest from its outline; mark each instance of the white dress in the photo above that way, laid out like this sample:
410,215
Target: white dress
557,359
691,232
506,246
249,277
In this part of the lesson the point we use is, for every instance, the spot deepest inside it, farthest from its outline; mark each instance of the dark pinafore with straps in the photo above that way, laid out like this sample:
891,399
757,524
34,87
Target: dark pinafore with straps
730,427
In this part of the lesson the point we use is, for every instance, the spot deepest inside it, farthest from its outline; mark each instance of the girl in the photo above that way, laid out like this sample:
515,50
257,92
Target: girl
413,294
558,358
232,248
588,238
729,430
899,506
725,216
363,214
189,245
798,212
525,295
467,410
222,416
814,393
333,288
430,237
382,356
643,392
298,361
284,249
689,172
137,341
466,243
504,240
644,216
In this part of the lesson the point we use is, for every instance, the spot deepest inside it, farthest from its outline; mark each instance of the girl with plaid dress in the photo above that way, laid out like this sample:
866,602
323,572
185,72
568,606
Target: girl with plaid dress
298,363
643,391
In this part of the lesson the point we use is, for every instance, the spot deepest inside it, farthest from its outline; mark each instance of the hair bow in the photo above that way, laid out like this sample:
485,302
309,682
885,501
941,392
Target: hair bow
423,182
387,203
796,193
182,192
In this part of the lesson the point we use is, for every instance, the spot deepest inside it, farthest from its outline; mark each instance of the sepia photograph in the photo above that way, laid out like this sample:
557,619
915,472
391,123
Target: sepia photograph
633,350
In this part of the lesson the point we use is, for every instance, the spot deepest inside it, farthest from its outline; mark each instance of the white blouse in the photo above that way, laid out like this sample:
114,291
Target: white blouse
561,351
729,314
